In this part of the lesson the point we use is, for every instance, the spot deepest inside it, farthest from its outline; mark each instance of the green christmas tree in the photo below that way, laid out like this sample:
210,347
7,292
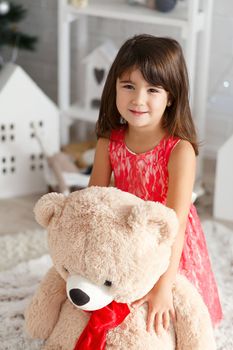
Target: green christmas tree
10,15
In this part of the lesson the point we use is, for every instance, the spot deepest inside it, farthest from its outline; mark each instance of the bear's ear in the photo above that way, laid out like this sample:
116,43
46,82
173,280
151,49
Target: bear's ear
157,215
48,206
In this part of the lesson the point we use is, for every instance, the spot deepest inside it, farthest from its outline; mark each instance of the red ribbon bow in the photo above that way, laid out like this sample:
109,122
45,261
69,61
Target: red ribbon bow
94,335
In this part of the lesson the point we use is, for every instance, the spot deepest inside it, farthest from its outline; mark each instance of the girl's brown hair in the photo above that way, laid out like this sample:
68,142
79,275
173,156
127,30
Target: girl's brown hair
161,63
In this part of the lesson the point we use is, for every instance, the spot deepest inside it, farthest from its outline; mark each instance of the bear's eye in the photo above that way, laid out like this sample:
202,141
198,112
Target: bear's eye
65,269
108,283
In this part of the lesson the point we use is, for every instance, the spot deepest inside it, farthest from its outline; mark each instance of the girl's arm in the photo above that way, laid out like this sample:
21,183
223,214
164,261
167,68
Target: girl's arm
181,168
101,172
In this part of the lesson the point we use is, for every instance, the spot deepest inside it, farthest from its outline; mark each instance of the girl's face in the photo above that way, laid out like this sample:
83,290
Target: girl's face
138,102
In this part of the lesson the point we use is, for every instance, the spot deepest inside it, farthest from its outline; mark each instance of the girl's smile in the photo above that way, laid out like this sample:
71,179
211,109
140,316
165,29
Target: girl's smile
137,113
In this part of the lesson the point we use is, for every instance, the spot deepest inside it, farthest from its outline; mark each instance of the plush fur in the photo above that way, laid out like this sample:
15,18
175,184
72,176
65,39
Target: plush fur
106,234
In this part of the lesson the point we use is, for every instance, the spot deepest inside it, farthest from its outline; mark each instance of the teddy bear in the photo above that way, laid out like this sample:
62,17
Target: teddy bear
108,249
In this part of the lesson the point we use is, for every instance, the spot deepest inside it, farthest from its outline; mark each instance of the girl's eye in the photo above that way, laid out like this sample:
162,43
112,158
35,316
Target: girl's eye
153,90
128,86
108,283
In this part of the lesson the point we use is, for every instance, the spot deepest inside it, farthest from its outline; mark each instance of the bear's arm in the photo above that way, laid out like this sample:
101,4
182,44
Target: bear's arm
42,313
193,324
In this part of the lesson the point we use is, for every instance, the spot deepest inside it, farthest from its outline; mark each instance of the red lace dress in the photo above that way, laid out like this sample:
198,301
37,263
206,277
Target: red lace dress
146,176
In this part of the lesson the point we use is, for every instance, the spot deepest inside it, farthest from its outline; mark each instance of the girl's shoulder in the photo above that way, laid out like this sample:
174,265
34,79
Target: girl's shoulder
182,146
179,145
182,151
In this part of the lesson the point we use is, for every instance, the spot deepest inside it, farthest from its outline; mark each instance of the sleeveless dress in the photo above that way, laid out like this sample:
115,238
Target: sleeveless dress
146,176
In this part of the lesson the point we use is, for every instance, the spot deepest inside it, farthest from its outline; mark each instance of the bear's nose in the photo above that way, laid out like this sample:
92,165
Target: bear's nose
79,297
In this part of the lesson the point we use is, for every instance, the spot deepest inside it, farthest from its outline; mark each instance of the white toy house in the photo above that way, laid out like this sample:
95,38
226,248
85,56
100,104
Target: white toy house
97,63
24,106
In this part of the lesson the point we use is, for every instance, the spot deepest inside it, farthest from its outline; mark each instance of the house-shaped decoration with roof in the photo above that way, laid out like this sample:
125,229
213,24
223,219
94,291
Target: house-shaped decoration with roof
24,107
97,63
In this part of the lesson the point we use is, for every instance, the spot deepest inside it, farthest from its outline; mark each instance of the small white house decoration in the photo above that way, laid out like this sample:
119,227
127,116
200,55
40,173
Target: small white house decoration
97,63
24,106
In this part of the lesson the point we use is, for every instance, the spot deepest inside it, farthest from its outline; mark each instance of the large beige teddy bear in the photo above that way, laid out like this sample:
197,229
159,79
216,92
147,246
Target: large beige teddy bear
109,248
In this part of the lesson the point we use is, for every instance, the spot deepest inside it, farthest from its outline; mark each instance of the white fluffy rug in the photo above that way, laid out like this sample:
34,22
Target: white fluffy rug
19,283
21,246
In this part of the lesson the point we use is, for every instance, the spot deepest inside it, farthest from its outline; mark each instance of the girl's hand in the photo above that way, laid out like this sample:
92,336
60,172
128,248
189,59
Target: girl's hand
160,306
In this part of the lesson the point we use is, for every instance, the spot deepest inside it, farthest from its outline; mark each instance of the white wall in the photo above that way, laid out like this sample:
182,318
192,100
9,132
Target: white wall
220,103
42,65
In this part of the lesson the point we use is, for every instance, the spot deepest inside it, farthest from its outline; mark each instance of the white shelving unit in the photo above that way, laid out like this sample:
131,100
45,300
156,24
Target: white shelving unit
193,21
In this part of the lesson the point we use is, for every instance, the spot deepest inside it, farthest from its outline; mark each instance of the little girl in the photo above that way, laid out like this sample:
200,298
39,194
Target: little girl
147,138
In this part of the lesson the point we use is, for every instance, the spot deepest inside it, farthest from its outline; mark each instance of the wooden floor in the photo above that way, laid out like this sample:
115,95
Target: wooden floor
16,214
